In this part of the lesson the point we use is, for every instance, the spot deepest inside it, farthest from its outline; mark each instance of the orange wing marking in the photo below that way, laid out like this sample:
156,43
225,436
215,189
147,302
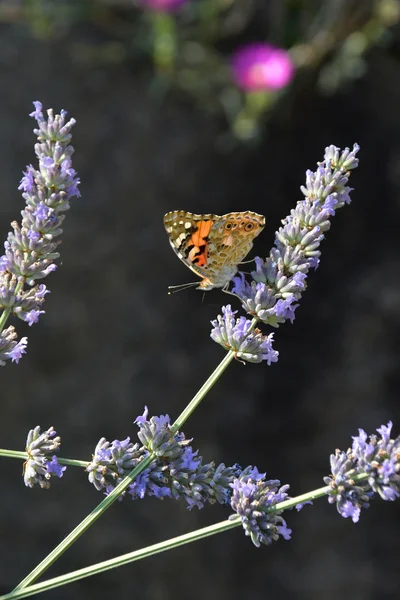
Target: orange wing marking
198,254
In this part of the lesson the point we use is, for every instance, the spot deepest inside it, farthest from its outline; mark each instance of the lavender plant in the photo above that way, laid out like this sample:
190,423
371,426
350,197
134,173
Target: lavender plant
163,463
31,247
369,469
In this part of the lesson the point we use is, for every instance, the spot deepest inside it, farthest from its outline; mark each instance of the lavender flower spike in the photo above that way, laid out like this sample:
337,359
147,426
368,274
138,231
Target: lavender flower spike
38,469
348,496
252,497
279,281
378,457
176,472
236,335
31,247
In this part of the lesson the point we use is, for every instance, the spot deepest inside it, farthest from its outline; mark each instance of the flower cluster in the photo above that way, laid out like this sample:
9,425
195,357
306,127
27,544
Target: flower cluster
38,469
371,466
278,282
176,472
379,457
376,457
252,499
31,247
239,336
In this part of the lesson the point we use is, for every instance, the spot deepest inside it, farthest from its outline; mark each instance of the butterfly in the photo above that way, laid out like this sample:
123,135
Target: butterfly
210,245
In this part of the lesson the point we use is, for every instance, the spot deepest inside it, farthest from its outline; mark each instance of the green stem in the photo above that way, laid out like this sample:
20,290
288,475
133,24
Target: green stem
122,560
4,317
85,524
121,487
7,311
206,387
71,462
170,544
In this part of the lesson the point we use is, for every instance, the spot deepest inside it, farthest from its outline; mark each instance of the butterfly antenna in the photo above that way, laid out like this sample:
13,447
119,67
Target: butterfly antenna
180,287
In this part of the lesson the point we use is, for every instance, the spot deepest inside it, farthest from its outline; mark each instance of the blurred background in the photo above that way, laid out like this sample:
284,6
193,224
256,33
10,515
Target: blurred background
209,106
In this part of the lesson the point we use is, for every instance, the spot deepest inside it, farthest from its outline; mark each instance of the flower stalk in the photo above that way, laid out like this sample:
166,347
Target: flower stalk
31,246
176,542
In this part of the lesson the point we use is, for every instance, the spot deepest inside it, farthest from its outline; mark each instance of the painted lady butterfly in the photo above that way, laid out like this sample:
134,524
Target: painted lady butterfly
212,246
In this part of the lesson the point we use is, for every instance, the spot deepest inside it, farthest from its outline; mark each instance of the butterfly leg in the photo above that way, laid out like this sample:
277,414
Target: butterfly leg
226,291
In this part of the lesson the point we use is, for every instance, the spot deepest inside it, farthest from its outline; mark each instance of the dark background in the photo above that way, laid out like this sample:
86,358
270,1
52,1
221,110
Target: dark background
112,340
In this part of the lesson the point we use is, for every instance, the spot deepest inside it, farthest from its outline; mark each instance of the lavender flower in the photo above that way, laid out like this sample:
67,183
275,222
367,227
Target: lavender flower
157,437
9,347
162,5
379,458
38,469
349,497
179,473
31,247
252,498
237,335
260,66
111,462
261,302
279,281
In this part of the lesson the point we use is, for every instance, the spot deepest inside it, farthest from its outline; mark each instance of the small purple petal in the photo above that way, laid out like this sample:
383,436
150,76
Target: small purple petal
19,349
55,468
37,113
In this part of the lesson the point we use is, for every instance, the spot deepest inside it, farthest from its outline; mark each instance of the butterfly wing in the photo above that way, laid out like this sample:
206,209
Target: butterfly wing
231,239
188,235
210,245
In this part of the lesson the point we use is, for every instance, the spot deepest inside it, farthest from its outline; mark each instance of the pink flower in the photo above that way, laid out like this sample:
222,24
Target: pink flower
259,66
161,5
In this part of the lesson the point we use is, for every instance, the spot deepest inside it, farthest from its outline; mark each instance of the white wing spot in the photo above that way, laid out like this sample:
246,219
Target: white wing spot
188,225
180,222
181,238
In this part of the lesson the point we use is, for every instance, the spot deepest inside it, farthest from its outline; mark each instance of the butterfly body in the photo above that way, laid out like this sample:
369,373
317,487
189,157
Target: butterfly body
212,246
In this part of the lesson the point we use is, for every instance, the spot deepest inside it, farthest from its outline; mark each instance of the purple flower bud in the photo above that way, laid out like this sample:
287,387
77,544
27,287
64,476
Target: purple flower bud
260,66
